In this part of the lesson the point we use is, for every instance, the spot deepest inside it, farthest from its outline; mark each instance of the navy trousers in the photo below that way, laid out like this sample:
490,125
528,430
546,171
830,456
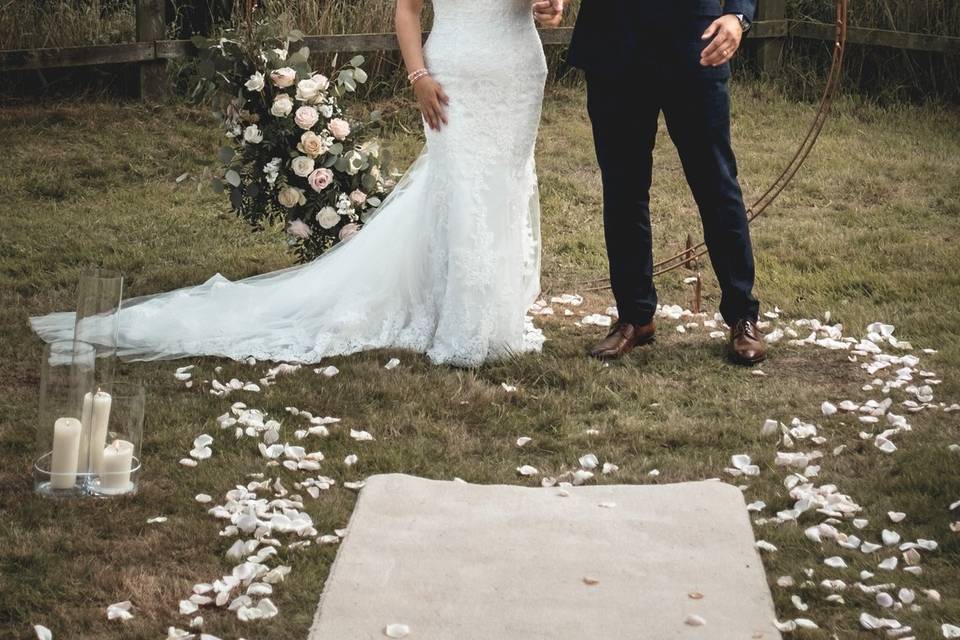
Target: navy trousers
696,106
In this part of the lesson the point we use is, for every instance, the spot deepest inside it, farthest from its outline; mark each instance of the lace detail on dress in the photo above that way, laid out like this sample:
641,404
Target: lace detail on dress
449,265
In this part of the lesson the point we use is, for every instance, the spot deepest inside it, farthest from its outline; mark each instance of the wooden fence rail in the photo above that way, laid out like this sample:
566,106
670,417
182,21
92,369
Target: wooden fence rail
153,52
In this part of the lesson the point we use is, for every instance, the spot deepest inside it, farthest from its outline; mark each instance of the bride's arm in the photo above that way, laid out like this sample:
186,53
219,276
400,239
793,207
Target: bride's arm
430,96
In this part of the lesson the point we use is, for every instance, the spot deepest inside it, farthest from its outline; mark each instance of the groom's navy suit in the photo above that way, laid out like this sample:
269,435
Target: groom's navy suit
642,57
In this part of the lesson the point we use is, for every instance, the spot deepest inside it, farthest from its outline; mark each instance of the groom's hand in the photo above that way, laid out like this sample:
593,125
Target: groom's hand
549,13
727,34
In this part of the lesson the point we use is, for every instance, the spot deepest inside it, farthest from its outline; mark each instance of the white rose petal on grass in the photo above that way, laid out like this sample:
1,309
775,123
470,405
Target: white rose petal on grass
393,363
769,428
694,620
527,470
509,388
42,632
157,520
589,462
763,545
890,538
580,476
609,467
896,516
950,631
120,611
203,498
351,460
598,320
889,564
328,372
361,436
396,630
188,462
835,562
828,408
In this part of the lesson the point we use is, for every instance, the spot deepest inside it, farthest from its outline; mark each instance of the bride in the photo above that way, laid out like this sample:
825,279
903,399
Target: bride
452,261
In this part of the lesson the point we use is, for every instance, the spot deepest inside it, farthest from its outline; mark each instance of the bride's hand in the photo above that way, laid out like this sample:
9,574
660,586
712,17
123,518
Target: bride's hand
432,101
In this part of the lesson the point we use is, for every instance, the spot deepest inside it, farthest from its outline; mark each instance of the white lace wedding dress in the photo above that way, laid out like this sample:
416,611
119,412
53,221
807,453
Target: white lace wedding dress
449,265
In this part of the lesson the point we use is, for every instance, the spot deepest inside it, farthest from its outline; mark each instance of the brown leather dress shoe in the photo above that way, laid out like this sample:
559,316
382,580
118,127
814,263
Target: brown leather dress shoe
623,338
746,343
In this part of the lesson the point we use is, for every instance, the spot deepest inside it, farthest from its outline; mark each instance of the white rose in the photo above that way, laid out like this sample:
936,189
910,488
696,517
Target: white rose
252,134
291,197
255,83
283,78
281,53
306,117
328,217
282,106
302,166
326,111
323,83
307,91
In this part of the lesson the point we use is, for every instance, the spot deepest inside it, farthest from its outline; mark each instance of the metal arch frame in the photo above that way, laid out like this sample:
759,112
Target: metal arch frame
796,162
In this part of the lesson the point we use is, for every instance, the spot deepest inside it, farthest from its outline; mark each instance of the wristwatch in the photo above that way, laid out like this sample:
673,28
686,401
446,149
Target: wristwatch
744,23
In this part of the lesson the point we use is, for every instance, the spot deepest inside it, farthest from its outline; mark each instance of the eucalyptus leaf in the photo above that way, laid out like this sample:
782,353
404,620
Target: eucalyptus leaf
335,149
341,164
360,75
232,178
217,185
295,35
206,69
226,154
236,198
200,42
356,61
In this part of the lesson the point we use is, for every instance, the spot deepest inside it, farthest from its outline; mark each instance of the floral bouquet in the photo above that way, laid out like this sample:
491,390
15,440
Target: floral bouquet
294,156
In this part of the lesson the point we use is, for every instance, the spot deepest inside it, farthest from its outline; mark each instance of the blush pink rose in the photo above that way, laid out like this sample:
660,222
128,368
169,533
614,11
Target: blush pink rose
358,197
283,78
320,179
348,231
299,229
339,128
306,117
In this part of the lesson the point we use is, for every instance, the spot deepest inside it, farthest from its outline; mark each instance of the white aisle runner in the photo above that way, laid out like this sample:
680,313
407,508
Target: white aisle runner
455,561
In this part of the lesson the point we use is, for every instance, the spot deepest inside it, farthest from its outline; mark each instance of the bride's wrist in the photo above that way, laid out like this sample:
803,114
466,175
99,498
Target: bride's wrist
417,75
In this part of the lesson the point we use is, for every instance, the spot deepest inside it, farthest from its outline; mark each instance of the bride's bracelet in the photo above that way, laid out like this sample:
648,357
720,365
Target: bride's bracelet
416,75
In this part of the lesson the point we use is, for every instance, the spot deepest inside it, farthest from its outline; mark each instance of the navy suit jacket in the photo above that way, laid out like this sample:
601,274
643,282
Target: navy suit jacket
616,34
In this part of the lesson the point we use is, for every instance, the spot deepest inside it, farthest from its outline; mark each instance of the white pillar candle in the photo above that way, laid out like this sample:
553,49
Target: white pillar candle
66,450
99,422
83,463
115,465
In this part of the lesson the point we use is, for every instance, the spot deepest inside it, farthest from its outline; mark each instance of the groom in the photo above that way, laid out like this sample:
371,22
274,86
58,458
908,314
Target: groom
642,57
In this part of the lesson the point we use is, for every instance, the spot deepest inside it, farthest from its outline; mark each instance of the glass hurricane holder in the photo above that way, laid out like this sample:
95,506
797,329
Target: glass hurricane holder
66,376
116,434
99,298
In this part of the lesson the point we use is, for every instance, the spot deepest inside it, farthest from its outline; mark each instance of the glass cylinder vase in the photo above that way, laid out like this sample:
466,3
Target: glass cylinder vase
99,298
116,434
66,375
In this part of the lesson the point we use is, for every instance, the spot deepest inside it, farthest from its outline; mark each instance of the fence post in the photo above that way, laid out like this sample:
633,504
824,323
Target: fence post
770,52
151,26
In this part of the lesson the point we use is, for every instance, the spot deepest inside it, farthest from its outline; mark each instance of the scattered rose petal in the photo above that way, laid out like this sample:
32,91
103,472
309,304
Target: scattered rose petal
396,630
120,611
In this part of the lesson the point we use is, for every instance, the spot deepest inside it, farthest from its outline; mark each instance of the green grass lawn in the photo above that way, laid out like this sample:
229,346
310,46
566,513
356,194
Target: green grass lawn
869,231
